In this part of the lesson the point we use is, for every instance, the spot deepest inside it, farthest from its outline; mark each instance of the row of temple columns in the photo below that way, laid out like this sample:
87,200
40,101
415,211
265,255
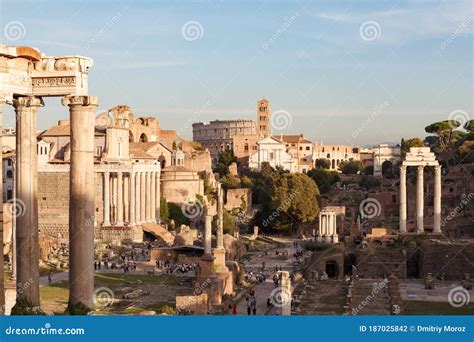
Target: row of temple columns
131,197
81,201
327,227
420,199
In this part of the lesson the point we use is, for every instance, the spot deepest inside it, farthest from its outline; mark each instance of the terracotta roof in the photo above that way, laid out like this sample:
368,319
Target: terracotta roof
63,131
292,139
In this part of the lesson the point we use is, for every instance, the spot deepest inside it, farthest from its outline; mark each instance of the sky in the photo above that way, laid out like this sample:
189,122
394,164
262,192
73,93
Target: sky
339,72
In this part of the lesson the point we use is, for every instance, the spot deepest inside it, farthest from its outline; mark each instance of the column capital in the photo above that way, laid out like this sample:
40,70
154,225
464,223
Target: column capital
80,101
403,168
27,101
420,168
437,168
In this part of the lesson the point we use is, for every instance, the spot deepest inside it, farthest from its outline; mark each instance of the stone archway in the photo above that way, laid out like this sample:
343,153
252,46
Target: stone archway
387,169
143,138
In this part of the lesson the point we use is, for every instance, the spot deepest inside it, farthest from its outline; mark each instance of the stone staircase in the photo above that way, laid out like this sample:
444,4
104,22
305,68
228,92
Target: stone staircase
370,297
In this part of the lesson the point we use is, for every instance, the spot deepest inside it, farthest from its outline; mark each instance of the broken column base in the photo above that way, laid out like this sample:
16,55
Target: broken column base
208,276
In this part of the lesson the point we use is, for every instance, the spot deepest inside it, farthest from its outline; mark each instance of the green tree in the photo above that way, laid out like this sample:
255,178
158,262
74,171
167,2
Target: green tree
224,159
369,182
323,163
443,130
294,200
230,182
405,145
164,210
176,214
351,167
324,179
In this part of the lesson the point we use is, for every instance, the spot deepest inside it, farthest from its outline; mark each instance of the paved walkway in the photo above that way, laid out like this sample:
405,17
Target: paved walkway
263,290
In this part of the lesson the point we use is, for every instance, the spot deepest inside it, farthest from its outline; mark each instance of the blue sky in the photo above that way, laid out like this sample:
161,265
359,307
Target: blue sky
338,82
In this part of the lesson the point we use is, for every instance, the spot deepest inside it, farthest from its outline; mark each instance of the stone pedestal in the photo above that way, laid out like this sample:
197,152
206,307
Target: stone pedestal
82,199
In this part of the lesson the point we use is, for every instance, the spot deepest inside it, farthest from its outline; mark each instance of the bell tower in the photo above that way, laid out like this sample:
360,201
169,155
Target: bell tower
263,118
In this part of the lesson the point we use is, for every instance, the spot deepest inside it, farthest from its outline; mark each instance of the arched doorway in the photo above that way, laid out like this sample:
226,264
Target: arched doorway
143,138
331,269
162,161
130,137
387,169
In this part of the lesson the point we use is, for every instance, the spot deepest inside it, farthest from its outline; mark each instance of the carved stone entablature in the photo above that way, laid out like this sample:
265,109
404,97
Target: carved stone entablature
80,101
54,81
66,63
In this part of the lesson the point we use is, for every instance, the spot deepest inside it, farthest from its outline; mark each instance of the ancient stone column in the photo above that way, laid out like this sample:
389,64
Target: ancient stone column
81,200
158,197
143,197
437,200
220,217
153,197
106,199
119,198
148,197
403,199
207,234
419,200
113,187
285,294
138,198
2,285
126,199
132,198
26,195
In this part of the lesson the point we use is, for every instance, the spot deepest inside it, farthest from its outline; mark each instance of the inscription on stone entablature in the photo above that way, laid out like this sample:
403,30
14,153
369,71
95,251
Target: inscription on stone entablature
60,81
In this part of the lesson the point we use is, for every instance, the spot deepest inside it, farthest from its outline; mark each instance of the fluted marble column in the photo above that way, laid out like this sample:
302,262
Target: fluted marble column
153,197
419,200
437,200
132,198
81,200
403,199
143,197
26,195
138,197
119,198
158,197
106,199
148,206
